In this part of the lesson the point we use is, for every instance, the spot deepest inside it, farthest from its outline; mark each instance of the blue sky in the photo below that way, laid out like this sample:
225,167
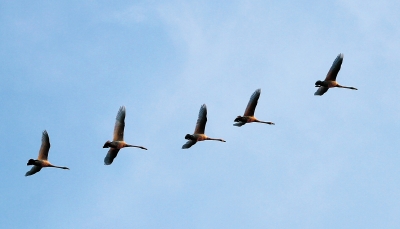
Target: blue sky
329,162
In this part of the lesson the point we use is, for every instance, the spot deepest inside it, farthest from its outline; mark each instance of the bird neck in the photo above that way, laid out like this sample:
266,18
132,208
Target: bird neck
215,139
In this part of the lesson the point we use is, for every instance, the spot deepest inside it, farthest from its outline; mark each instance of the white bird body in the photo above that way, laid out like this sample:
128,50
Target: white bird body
117,144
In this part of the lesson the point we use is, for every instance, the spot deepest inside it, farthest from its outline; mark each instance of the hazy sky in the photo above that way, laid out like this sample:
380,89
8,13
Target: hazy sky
329,162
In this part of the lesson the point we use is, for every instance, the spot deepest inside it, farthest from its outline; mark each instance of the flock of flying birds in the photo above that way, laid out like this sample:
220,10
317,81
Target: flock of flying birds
118,139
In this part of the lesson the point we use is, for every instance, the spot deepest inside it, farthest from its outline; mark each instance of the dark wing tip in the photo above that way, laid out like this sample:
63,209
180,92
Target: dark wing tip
256,94
45,137
251,105
188,144
338,60
108,161
45,134
321,91
121,114
203,111
33,170
335,68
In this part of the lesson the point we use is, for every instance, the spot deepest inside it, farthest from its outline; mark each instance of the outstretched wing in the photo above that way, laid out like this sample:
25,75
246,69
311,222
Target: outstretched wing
201,120
112,153
45,147
33,170
239,124
251,106
189,144
321,90
335,68
119,125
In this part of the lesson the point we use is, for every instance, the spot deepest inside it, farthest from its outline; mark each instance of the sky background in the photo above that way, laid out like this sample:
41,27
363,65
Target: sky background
329,162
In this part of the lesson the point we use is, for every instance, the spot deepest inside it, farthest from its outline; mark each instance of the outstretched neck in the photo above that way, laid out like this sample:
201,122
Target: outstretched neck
141,147
215,139
352,88
270,123
59,167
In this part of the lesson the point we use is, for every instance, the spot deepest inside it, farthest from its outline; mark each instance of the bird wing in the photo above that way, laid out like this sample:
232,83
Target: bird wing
188,144
119,125
45,147
112,153
251,106
335,68
239,124
201,120
321,90
33,170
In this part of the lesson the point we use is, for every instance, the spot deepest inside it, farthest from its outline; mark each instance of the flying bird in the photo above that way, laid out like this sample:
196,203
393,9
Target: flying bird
42,158
198,134
118,139
330,80
249,112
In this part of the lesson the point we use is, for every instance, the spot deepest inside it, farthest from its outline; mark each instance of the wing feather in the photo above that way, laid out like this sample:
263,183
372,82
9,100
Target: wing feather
188,144
119,125
112,153
335,68
45,147
33,170
321,90
201,120
251,106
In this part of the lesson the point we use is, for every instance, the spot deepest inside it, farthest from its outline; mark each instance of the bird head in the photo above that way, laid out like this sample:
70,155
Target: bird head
107,144
31,162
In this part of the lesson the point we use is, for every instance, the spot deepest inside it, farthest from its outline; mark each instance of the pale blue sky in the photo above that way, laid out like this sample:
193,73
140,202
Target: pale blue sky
329,162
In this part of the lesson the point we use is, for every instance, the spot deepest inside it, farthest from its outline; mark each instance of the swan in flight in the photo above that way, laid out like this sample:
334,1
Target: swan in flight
42,158
198,134
249,112
330,80
118,140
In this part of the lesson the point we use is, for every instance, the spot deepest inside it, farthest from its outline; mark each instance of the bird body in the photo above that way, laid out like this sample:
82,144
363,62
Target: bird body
330,79
118,139
248,115
42,163
196,137
115,144
245,119
328,83
201,137
198,134
42,158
